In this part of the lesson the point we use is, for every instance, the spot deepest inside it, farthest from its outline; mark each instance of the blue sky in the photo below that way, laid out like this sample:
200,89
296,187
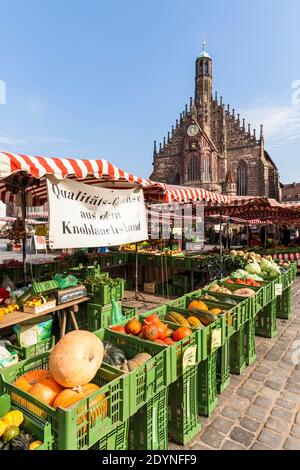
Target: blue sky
99,78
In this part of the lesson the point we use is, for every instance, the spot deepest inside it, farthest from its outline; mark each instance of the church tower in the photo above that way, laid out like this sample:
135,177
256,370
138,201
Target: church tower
203,89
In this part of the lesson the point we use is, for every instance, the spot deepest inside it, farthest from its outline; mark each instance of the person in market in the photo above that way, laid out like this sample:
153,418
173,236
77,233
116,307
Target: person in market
286,236
262,235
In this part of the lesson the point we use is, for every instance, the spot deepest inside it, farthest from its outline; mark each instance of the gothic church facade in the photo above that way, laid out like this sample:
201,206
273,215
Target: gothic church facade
210,146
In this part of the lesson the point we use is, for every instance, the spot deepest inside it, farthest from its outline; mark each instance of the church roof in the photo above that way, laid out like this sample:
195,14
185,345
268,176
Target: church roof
203,53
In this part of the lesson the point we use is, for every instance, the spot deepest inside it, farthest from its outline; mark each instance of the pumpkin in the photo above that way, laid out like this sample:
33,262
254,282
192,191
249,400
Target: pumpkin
34,445
152,319
10,433
169,333
14,417
194,322
197,305
119,329
138,360
244,292
160,341
97,406
133,327
162,329
181,333
26,381
169,341
216,311
76,358
150,332
46,390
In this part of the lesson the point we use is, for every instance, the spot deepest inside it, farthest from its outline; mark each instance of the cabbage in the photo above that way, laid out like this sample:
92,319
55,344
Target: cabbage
274,273
255,277
239,274
253,268
266,265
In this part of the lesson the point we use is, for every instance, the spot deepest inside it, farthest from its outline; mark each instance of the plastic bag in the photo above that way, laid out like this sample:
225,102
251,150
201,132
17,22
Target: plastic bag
8,284
117,315
64,282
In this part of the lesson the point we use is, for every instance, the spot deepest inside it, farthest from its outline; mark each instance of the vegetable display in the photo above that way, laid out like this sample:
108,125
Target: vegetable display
12,436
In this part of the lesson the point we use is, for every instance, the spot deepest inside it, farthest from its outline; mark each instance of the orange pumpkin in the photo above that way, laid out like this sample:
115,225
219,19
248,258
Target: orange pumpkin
152,319
198,305
160,341
26,381
150,332
46,390
97,407
181,333
119,329
162,330
76,358
169,341
133,327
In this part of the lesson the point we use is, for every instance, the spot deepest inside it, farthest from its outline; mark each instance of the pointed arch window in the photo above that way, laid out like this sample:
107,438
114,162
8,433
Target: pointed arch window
206,68
206,169
201,68
194,169
242,179
173,178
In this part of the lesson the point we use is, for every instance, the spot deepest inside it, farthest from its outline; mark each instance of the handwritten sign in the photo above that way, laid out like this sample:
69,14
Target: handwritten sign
189,357
216,339
84,216
278,289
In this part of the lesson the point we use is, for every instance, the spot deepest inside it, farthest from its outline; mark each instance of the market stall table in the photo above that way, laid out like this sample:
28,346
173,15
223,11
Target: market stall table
68,307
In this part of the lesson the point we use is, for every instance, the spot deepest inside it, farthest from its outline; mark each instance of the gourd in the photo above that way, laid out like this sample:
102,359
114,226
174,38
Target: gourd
152,319
205,317
26,381
133,327
150,332
21,442
10,433
76,358
198,305
177,318
119,329
169,341
181,333
14,417
194,322
115,355
216,311
138,360
34,445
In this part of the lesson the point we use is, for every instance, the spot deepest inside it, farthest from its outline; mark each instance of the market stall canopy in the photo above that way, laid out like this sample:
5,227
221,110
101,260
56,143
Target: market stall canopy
94,172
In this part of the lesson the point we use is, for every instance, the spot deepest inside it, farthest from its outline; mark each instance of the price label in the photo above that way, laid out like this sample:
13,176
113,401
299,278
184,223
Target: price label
189,357
278,289
216,339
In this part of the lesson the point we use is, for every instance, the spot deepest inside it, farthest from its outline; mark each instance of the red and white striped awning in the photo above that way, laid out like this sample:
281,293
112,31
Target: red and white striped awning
95,172
184,194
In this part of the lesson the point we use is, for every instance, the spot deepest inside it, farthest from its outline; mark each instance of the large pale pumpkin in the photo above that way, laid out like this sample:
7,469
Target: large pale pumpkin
76,358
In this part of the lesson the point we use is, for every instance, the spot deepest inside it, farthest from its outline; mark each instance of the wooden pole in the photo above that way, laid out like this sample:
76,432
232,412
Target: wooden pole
23,212
221,244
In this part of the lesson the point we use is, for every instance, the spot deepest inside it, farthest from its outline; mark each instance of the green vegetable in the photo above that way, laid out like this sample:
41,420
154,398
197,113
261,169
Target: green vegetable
253,267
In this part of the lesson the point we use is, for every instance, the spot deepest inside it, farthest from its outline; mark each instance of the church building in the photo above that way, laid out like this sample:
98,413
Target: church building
211,147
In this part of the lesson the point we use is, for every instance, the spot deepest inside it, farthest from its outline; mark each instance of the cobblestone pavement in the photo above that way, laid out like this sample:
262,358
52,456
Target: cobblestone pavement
260,409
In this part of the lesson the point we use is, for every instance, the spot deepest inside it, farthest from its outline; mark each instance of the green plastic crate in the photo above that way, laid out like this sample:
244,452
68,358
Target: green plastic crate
237,352
249,341
257,301
223,366
147,379
148,428
30,424
117,439
266,323
99,316
177,352
179,302
284,304
184,423
103,294
34,350
207,385
244,306
84,423
204,335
